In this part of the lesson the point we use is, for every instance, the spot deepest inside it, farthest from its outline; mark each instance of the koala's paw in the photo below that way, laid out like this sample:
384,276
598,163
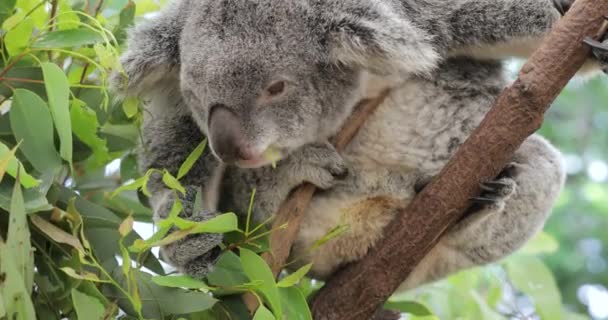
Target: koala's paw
563,5
495,193
599,50
319,164
196,254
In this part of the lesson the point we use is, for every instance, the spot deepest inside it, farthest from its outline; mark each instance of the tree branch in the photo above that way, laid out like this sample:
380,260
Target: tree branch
361,288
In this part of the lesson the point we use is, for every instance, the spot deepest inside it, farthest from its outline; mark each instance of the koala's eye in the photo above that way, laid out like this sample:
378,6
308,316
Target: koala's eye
276,88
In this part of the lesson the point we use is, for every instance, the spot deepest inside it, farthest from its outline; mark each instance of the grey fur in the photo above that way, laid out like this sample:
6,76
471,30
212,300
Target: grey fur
204,67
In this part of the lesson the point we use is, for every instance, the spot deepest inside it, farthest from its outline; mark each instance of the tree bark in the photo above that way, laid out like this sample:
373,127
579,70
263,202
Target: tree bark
358,290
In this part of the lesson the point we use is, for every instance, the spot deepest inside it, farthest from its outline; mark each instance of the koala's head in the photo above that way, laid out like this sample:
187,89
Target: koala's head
263,75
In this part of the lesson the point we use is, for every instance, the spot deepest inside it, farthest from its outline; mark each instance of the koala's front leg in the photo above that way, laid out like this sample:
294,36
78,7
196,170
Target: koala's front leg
522,202
499,29
600,50
196,254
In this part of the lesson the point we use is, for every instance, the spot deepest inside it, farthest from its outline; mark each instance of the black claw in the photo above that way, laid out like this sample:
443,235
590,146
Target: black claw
340,174
595,44
482,200
493,186
559,7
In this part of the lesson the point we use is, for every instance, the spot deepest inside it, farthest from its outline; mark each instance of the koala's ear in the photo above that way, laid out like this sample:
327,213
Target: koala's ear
380,41
152,53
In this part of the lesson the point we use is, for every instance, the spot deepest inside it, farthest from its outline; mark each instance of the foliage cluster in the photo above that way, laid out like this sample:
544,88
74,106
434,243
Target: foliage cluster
71,194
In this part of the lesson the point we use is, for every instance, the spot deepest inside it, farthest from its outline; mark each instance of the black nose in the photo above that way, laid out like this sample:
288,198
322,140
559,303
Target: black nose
225,134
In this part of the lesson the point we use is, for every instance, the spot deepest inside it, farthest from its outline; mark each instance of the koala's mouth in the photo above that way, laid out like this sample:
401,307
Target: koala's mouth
269,156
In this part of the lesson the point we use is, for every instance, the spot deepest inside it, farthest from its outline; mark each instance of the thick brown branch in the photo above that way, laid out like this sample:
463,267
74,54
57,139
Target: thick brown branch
292,210
361,288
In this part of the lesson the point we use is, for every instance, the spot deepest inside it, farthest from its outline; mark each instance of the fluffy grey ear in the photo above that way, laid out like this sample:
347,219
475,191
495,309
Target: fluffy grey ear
376,38
152,52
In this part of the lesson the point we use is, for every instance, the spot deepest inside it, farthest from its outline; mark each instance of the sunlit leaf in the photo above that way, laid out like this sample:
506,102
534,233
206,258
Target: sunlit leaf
172,183
191,160
263,314
10,164
531,276
17,38
541,243
294,277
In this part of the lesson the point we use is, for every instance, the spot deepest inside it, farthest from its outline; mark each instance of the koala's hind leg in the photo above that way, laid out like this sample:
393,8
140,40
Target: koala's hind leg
518,205
600,51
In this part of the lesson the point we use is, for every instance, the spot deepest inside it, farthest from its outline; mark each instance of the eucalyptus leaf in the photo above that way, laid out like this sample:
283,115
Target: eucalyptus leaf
18,239
58,93
32,124
67,38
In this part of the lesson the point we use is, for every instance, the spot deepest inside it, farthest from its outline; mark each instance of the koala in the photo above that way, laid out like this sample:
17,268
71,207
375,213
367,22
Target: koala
258,76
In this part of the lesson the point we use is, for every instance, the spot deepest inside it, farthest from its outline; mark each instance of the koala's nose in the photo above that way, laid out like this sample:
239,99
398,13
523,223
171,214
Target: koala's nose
226,136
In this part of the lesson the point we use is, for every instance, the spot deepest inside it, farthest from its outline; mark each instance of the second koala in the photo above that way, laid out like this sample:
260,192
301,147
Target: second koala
255,75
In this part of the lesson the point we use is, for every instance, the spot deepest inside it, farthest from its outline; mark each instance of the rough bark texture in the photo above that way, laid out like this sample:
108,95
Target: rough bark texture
357,291
290,214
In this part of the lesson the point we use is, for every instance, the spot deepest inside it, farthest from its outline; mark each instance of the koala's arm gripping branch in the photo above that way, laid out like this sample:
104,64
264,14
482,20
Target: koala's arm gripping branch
358,290
290,214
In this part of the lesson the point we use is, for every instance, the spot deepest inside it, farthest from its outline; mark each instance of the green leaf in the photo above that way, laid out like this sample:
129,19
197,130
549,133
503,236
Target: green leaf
191,160
32,124
13,164
172,183
66,18
180,282
17,39
295,277
532,277
130,106
294,304
263,314
158,301
223,223
6,9
541,243
18,239
67,38
14,296
11,20
83,275
228,271
58,93
85,125
257,270
331,234
486,312
410,307
58,235
87,307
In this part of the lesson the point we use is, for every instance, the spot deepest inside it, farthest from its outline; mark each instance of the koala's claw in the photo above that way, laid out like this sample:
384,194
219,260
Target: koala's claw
201,266
196,254
319,164
562,5
493,194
